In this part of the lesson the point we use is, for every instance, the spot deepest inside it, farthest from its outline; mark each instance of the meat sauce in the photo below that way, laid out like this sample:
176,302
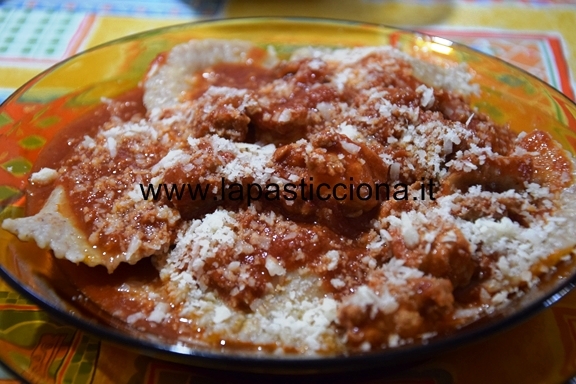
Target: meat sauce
339,241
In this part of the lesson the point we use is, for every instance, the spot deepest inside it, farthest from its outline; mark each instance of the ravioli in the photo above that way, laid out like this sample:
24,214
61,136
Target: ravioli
55,228
336,201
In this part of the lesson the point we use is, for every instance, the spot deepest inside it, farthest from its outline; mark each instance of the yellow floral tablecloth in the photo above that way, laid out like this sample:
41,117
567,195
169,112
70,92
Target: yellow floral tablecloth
537,35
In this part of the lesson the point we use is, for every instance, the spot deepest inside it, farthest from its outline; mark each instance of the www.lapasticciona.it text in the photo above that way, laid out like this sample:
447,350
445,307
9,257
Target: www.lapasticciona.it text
305,190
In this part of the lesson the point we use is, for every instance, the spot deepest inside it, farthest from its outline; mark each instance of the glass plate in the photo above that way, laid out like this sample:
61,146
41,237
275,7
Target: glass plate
34,116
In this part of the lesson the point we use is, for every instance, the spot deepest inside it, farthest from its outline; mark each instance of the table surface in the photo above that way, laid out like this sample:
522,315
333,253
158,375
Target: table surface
536,35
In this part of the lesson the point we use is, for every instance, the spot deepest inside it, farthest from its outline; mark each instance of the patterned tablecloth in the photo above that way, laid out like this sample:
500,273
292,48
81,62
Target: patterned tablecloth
537,35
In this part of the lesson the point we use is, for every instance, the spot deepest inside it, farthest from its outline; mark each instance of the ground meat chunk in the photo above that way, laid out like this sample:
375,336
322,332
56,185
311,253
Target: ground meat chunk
429,302
550,165
496,174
